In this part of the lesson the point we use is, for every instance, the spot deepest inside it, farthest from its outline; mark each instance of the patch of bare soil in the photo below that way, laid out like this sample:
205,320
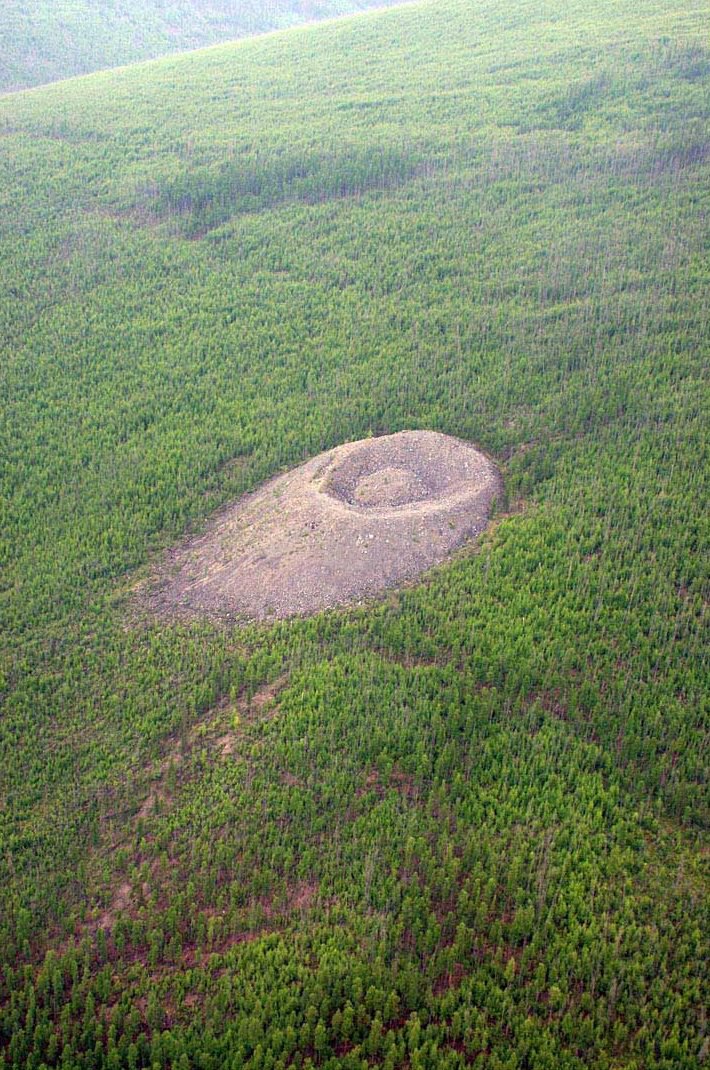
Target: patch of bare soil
346,525
120,902
266,695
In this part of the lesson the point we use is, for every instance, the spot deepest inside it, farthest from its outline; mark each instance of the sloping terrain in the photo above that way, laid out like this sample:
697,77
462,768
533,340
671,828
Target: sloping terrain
47,40
465,825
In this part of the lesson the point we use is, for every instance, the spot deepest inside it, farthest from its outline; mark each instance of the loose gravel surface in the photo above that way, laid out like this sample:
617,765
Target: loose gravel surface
341,528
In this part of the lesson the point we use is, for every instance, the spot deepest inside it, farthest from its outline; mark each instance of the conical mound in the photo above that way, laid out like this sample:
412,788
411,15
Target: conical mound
346,525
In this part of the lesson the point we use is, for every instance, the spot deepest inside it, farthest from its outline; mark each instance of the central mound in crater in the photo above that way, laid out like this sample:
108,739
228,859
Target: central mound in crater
388,486
344,526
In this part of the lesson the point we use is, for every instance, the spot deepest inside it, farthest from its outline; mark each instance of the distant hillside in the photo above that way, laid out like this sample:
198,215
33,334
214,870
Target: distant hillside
45,40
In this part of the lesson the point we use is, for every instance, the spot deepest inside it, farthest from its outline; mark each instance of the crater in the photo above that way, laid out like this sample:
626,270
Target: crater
388,486
343,527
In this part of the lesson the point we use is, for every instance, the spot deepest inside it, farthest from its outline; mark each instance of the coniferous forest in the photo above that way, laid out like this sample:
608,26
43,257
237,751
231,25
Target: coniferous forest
464,825
46,40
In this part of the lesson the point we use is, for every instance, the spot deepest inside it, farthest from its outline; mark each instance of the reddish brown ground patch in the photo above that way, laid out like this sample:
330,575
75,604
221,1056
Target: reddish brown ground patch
119,904
266,694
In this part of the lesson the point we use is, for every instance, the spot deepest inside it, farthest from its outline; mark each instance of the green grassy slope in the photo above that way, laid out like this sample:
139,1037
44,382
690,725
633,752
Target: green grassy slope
465,826
47,40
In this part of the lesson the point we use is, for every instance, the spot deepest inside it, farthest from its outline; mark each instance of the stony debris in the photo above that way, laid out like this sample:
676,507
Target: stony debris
346,525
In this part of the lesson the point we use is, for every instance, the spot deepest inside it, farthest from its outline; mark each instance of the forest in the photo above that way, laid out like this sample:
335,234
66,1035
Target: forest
466,824
47,40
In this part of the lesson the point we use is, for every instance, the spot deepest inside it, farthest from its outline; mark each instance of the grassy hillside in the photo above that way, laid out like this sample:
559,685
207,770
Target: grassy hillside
466,825
46,40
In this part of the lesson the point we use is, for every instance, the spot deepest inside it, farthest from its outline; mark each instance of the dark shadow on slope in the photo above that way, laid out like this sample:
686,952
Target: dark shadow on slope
198,201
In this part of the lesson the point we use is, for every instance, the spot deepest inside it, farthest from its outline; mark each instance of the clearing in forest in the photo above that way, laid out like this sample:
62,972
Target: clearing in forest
349,523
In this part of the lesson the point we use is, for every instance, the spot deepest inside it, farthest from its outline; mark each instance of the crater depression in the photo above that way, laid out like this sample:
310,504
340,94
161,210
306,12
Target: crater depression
344,526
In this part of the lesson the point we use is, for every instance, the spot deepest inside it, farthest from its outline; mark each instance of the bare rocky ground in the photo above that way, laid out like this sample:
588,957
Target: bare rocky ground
343,527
